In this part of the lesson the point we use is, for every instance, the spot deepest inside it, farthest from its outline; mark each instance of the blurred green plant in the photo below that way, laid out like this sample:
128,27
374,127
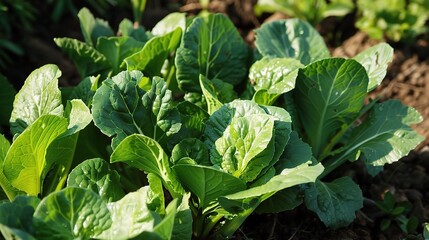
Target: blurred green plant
13,14
312,11
395,20
397,212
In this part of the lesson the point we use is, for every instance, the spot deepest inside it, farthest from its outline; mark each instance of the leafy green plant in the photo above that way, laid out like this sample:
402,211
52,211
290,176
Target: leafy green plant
394,20
313,11
326,100
397,213
187,158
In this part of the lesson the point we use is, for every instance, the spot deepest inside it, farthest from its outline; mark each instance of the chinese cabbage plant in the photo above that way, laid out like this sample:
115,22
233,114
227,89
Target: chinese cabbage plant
182,133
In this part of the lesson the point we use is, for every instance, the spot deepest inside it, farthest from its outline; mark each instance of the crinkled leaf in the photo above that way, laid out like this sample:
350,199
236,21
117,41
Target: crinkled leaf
291,38
70,214
212,47
147,155
38,96
116,49
375,60
86,58
207,183
287,178
209,92
25,164
7,95
93,28
385,135
120,108
335,202
96,175
130,216
328,94
169,23
219,120
274,75
245,148
191,148
150,59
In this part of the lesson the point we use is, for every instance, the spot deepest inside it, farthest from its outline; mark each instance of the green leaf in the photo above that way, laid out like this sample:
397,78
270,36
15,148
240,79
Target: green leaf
14,233
127,29
150,59
18,214
385,136
25,165
78,115
287,178
426,230
212,47
165,228
329,94
96,175
245,148
93,28
38,96
274,75
4,147
183,221
283,200
70,214
120,108
291,38
7,95
130,216
169,23
190,148
375,60
147,155
213,104
207,183
155,196
116,49
85,90
219,120
86,58
336,202
295,153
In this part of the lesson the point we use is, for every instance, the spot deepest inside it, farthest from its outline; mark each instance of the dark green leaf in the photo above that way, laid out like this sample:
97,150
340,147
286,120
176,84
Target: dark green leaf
150,59
71,213
93,28
7,95
147,155
329,94
86,58
291,38
191,148
207,183
212,47
116,49
336,202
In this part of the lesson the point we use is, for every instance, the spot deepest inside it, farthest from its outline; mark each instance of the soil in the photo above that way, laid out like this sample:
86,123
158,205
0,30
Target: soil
407,79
